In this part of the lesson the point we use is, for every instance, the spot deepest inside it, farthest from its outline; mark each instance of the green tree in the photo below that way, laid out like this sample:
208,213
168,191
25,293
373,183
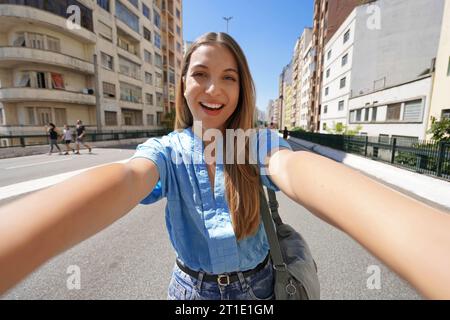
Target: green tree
169,120
340,128
440,129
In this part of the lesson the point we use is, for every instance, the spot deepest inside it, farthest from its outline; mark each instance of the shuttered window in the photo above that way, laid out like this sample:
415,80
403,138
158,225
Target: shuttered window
413,110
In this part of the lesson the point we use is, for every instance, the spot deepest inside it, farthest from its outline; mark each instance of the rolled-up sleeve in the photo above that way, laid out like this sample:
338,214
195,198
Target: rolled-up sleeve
153,149
268,140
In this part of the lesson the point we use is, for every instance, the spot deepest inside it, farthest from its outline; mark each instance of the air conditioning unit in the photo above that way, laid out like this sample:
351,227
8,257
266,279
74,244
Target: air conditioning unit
88,91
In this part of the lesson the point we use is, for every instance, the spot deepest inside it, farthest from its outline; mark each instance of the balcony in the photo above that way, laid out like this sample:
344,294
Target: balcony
20,15
50,95
10,55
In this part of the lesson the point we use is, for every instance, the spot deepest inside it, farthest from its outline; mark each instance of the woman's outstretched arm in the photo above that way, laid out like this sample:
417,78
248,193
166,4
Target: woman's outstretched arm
410,237
39,226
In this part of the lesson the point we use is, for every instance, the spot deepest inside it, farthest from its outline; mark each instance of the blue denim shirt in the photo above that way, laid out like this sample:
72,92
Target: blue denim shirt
198,220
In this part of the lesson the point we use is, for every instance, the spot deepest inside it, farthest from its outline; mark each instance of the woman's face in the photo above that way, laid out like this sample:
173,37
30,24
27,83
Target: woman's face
212,85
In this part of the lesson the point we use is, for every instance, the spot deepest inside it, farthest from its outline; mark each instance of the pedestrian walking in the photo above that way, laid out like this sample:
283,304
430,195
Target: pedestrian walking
285,133
81,131
53,136
212,211
67,137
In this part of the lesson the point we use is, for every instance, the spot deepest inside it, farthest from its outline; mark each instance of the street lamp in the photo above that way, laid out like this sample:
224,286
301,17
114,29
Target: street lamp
227,19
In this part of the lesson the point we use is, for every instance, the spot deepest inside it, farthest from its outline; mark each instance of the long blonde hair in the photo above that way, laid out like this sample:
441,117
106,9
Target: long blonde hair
242,183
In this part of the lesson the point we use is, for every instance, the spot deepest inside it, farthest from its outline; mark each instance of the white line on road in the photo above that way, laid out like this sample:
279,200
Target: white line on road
36,164
36,184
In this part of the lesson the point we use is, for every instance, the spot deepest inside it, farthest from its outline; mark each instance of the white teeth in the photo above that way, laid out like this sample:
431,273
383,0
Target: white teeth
212,105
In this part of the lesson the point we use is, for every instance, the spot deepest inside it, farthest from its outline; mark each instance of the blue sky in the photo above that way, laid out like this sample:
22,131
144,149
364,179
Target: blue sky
265,29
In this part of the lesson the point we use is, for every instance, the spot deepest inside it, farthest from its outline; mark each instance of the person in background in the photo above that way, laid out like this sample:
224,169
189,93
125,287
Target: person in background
53,135
81,131
67,136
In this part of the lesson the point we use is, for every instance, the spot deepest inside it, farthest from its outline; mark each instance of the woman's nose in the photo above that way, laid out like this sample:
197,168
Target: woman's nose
212,88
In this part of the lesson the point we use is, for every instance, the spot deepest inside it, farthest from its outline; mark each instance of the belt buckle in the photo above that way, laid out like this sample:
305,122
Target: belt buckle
223,276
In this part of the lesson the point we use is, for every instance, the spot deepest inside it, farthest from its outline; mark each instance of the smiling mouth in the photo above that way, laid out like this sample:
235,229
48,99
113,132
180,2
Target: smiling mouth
211,108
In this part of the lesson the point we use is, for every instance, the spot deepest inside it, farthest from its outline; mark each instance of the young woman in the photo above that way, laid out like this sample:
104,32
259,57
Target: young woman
212,213
67,136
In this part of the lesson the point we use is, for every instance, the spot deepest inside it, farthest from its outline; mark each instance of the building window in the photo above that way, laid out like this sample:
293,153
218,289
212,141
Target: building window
36,41
146,12
110,118
53,44
44,116
31,119
157,40
324,126
326,91
158,118
383,138
158,61
57,80
109,90
358,115
341,105
60,116
159,100
374,114
156,19
107,61
148,78
393,112
130,93
149,99
134,3
179,32
413,110
178,47
41,80
366,114
131,117
103,4
328,73
150,120
346,36
344,60
342,83
159,80
104,31
448,70
325,109
178,13
147,57
329,54
2,118
129,68
445,114
147,35
126,16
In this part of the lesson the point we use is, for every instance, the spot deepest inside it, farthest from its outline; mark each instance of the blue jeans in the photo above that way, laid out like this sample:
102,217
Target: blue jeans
258,286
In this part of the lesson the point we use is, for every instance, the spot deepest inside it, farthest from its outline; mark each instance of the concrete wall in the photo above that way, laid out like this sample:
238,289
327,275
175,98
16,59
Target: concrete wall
401,49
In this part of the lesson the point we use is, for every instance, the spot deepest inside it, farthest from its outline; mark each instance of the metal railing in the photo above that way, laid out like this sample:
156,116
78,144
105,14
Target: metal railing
9,141
422,156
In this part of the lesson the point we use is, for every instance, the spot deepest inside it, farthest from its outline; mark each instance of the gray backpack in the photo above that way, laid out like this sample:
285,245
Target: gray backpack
295,269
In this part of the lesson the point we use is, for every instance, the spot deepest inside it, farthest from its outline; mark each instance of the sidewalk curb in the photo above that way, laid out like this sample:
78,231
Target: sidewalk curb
432,189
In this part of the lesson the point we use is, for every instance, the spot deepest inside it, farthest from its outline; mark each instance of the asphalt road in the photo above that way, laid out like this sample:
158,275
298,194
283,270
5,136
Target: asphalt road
133,258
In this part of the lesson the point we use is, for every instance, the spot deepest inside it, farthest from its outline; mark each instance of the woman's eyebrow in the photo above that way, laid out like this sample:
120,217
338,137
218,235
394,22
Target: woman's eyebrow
199,65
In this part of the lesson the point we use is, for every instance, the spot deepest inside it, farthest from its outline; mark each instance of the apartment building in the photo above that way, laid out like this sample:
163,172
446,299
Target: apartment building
274,112
328,17
118,71
389,67
288,97
440,100
307,73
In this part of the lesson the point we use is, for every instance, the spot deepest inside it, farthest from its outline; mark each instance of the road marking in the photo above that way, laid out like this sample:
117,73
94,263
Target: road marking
36,184
36,164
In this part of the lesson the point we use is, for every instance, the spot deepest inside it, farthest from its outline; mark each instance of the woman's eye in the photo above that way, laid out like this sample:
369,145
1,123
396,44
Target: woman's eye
198,74
230,78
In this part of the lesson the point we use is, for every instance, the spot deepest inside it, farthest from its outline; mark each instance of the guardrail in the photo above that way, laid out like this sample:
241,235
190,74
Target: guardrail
422,156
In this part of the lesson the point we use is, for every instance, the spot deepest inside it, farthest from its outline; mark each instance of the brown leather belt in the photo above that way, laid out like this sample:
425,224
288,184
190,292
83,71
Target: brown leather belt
222,279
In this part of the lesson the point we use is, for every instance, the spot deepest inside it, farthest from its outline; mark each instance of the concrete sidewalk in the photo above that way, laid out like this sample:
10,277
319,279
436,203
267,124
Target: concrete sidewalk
425,187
